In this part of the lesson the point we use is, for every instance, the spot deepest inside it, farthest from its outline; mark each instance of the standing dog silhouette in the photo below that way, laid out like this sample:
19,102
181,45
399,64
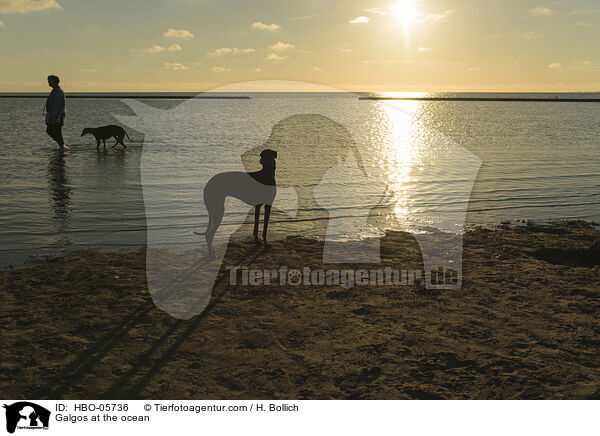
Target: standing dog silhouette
106,132
255,189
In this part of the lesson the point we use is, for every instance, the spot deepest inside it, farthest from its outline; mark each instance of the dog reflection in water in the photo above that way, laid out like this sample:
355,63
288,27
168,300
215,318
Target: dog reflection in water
255,189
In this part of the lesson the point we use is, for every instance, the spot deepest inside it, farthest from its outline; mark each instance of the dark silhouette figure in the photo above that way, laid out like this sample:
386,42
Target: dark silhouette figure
13,415
255,189
309,145
106,132
55,111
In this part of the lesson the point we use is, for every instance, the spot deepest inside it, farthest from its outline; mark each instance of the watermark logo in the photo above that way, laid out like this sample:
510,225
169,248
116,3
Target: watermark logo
329,163
26,416
347,278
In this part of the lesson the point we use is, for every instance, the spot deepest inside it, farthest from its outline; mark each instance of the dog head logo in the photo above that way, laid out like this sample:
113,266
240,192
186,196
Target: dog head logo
26,415
201,174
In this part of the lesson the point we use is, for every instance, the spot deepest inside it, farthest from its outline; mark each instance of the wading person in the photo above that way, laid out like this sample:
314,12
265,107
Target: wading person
55,111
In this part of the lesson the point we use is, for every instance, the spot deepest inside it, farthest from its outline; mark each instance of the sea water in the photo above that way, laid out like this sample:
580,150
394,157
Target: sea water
537,161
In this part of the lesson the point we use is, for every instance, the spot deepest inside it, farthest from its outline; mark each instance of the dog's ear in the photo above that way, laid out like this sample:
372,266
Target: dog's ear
268,154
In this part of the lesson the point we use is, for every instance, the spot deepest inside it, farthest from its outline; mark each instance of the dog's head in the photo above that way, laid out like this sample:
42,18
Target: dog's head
267,158
86,131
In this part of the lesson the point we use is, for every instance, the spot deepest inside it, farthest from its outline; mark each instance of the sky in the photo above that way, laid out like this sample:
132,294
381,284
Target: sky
351,45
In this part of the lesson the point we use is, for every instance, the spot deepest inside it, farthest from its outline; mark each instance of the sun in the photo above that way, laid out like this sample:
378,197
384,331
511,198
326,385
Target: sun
406,12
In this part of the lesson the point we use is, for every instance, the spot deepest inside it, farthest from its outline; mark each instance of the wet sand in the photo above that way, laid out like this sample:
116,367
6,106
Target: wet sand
524,325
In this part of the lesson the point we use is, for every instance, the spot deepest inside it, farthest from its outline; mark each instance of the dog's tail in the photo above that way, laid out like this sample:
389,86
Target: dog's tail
127,136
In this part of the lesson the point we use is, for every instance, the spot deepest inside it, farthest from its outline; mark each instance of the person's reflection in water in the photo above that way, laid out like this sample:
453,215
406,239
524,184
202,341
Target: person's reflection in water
60,195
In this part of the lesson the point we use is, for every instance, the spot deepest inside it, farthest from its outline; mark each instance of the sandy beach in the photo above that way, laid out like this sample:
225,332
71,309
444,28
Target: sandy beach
523,326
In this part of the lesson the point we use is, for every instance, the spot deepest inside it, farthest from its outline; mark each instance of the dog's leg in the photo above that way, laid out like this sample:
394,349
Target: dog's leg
215,216
266,223
256,219
104,142
97,144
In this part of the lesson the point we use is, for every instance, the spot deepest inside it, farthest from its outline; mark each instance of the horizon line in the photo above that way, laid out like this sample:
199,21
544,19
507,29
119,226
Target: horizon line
295,91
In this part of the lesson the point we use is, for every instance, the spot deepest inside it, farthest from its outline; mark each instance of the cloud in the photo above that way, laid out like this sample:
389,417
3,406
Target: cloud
440,18
182,33
555,66
472,69
174,66
226,50
579,65
220,51
317,69
379,11
383,61
154,49
306,17
268,27
540,12
431,18
158,48
274,57
281,46
220,69
26,6
86,70
425,49
360,20
584,12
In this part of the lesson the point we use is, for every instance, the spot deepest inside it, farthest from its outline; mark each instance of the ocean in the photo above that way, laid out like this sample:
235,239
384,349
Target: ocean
347,168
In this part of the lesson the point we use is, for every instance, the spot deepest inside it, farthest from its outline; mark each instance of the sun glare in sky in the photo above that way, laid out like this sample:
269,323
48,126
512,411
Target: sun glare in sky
406,12
352,45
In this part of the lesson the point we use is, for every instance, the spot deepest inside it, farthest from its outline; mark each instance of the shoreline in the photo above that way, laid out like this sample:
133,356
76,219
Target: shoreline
523,325
544,225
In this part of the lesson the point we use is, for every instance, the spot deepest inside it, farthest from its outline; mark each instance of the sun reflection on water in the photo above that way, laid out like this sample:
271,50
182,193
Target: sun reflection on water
401,154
